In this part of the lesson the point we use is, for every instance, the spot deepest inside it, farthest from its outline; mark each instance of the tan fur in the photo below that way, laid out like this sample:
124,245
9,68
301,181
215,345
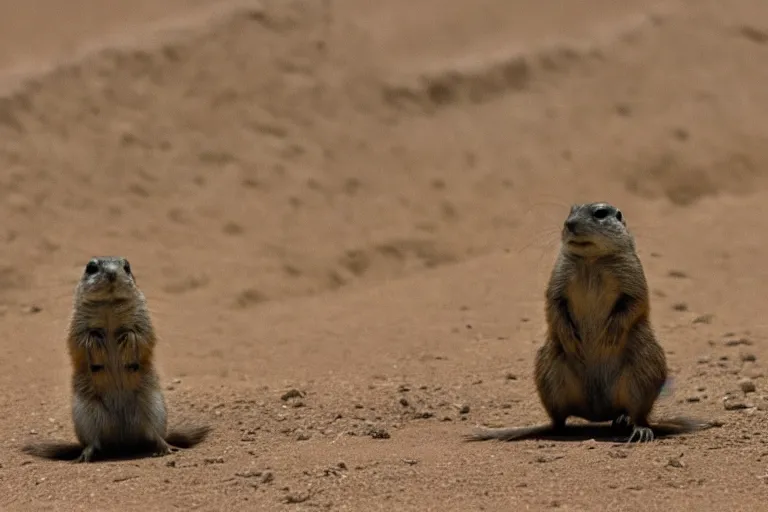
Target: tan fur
117,403
601,360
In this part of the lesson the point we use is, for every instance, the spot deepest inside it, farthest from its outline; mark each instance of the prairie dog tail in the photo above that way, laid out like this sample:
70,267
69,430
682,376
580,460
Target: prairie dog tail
54,450
187,435
510,433
682,425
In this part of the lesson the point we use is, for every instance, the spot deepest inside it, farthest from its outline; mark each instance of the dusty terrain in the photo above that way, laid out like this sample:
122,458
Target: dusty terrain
361,201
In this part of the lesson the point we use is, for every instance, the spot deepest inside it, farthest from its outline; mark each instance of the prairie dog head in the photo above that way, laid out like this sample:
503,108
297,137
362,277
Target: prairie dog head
595,230
107,278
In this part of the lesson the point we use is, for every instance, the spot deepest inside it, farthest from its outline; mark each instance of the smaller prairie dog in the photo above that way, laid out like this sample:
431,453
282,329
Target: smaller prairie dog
601,360
117,404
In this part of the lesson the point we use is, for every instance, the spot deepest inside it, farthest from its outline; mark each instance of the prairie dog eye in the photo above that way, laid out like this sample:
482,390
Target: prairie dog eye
92,268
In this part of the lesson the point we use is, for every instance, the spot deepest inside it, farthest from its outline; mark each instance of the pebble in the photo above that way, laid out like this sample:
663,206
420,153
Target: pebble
747,385
291,393
675,462
704,319
378,433
543,459
734,404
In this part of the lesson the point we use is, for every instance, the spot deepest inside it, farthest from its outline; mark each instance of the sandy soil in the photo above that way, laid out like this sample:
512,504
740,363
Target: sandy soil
361,201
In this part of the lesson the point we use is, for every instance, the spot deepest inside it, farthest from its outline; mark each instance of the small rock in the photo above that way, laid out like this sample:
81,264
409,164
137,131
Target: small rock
748,357
297,497
291,393
680,306
267,477
303,436
249,474
378,433
677,274
404,402
548,458
214,460
704,319
171,464
737,341
511,376
464,409
734,404
703,360
675,462
747,386
176,381
693,399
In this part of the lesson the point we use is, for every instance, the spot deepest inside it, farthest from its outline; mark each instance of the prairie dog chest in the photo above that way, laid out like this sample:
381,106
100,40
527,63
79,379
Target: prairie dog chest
592,292
111,320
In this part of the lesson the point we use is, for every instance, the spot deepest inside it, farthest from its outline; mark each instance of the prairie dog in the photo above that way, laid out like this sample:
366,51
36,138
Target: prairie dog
117,403
601,360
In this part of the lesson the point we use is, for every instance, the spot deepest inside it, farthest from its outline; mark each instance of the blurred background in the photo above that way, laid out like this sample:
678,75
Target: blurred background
306,146
248,157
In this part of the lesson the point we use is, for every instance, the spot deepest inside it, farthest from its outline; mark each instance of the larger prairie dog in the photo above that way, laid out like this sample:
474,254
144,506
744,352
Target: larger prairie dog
601,360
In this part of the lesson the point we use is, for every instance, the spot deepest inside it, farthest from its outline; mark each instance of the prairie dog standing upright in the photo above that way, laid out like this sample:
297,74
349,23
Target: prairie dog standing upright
117,403
601,360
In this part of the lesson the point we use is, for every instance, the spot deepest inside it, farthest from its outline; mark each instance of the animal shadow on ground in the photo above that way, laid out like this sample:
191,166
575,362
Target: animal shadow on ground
584,432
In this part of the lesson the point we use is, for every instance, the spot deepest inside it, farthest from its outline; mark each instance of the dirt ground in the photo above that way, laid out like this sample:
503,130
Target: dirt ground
361,201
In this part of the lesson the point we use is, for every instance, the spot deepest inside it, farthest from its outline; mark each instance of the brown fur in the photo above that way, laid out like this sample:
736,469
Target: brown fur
601,360
117,404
